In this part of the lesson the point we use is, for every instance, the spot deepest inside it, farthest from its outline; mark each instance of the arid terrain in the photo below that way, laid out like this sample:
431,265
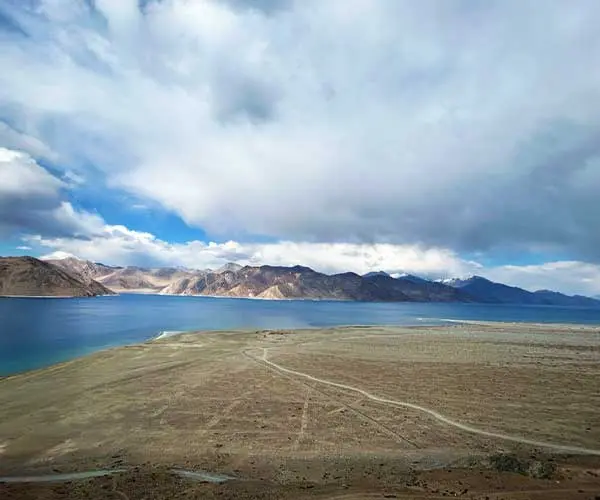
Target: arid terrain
466,410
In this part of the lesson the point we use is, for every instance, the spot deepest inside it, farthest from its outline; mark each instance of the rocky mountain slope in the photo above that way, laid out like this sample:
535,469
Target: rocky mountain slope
83,269
142,279
498,293
277,282
27,276
123,279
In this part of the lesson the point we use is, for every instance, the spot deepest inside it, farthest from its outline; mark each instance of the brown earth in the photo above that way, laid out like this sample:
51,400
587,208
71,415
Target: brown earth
244,404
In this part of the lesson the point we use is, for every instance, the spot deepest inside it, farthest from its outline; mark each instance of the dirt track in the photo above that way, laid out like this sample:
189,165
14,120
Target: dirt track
353,410
435,414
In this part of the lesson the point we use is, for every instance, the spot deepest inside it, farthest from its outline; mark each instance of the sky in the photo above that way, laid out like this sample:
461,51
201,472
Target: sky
440,138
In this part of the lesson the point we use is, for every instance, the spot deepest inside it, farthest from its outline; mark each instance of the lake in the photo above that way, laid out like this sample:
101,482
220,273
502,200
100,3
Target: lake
39,332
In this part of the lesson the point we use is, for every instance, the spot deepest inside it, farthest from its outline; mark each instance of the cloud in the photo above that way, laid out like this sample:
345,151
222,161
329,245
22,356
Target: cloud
14,140
58,255
31,201
123,246
467,125
264,6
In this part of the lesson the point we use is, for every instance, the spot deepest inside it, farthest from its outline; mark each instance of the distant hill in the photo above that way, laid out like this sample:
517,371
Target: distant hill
123,279
556,298
488,291
230,266
83,269
28,276
375,273
413,278
300,282
278,282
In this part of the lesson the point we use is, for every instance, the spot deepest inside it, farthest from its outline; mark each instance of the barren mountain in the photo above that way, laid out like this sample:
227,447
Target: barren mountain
83,269
298,282
499,293
230,266
275,282
131,279
144,279
27,276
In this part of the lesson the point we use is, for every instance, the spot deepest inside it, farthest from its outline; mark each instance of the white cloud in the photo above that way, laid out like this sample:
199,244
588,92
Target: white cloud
31,200
458,124
24,247
14,140
58,255
122,246
73,178
20,174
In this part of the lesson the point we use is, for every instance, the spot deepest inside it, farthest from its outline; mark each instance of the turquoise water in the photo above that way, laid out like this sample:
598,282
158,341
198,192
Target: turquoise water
39,332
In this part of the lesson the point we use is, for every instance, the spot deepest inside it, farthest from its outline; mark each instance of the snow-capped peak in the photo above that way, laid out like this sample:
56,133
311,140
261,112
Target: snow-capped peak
59,255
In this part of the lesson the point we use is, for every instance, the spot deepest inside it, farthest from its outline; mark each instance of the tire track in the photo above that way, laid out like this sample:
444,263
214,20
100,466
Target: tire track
303,420
430,412
216,420
398,437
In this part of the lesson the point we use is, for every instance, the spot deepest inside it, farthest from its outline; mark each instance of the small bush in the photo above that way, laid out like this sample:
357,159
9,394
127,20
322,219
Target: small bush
541,470
508,463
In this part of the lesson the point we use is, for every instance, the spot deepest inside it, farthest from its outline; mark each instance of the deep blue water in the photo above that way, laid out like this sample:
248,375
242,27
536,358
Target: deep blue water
39,332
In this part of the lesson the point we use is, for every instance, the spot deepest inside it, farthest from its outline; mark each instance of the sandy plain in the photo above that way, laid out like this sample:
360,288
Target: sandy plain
479,410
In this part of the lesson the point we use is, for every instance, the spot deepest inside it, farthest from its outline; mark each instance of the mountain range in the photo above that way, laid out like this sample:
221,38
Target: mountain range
86,278
497,293
299,282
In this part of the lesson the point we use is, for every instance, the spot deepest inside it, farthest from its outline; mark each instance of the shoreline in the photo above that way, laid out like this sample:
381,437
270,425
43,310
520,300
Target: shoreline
158,293
168,334
58,296
446,323
291,299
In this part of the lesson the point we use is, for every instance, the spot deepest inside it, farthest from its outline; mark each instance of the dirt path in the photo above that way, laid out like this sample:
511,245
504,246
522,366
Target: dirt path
428,411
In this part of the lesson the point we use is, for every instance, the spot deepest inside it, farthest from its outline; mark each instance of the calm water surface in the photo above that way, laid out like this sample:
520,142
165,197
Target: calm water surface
40,332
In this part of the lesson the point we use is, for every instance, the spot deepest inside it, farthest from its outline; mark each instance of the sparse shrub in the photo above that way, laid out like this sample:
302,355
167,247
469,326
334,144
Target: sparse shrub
508,463
542,469
472,462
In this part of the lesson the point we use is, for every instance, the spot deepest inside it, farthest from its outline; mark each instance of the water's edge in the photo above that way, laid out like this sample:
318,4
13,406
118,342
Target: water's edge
40,333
